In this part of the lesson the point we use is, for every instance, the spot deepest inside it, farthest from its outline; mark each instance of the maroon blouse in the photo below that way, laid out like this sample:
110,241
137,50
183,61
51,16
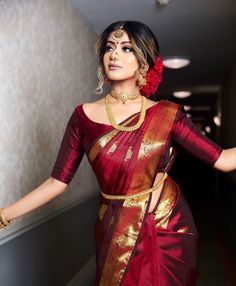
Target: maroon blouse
81,132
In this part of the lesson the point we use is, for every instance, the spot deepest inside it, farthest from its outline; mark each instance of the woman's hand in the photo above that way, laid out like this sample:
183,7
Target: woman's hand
227,160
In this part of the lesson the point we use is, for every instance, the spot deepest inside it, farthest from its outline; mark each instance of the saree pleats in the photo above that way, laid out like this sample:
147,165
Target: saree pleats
162,255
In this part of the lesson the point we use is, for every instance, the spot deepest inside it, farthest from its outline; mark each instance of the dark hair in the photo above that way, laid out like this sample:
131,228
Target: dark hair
144,43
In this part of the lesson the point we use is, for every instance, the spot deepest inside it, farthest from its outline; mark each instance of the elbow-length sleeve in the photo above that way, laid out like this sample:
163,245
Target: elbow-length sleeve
70,152
189,137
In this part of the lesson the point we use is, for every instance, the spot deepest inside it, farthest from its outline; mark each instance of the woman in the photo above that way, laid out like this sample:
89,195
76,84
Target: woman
144,233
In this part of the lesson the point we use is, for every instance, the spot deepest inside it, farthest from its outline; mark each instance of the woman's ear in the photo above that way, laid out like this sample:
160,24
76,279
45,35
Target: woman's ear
144,68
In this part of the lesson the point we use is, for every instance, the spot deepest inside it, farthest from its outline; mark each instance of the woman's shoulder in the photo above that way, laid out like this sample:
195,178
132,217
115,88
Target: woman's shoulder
169,104
92,104
88,107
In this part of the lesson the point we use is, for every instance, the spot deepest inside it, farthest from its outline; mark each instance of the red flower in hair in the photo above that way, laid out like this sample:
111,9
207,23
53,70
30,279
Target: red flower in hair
153,78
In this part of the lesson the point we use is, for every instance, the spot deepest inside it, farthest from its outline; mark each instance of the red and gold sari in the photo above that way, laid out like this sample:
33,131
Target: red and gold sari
136,246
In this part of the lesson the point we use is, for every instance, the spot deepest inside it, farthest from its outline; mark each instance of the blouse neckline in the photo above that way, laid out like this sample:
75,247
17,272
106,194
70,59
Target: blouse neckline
109,125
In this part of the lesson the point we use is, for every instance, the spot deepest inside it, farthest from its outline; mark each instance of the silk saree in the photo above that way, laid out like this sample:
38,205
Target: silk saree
143,240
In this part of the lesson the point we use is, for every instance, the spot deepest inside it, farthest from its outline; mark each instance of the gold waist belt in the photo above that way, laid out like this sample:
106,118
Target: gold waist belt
124,197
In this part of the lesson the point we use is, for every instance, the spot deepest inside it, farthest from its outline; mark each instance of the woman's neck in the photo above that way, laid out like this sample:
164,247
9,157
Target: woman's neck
128,87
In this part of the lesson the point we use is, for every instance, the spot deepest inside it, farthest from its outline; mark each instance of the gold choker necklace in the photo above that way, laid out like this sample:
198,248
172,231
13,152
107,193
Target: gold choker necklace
122,127
123,95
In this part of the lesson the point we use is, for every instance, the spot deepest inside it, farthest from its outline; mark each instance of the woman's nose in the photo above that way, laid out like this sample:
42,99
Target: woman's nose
115,55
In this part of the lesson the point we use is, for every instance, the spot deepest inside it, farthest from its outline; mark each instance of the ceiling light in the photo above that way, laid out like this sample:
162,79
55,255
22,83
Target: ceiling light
208,129
175,62
187,107
182,93
163,2
217,120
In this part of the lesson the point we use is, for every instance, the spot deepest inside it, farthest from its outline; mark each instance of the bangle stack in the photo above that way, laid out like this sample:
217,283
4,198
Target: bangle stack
3,221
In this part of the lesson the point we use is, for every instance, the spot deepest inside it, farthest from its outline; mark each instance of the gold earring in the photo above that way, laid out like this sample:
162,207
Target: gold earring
141,75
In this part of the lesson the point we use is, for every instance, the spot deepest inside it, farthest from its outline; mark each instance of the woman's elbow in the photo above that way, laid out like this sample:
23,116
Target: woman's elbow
59,185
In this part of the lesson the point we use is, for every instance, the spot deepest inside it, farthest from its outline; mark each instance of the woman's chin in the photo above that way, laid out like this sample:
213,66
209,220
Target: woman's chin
116,79
119,79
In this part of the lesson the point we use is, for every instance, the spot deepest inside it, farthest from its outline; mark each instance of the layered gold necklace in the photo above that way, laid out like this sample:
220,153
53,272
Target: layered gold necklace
122,127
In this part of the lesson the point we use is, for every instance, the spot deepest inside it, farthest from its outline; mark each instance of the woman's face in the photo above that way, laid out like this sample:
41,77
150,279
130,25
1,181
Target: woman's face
119,52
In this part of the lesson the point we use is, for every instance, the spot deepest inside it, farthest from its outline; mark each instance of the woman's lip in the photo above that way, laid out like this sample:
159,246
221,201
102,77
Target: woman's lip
114,66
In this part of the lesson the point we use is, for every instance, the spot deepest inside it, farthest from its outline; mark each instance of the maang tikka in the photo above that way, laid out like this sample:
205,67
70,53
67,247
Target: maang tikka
117,35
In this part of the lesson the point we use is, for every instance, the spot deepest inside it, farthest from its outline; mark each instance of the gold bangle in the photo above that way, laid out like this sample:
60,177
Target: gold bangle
124,197
3,221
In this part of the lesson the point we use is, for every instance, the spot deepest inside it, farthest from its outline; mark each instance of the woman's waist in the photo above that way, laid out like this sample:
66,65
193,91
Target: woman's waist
131,194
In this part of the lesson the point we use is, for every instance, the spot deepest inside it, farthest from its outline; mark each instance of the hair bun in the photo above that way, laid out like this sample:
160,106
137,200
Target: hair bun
153,78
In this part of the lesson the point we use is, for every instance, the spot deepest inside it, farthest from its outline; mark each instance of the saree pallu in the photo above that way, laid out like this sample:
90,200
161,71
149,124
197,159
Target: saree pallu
133,246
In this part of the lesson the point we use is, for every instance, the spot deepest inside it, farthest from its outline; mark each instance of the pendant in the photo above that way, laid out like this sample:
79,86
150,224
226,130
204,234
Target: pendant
124,96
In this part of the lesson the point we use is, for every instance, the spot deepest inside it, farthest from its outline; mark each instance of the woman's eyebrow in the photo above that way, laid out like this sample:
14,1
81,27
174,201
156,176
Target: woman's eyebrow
125,42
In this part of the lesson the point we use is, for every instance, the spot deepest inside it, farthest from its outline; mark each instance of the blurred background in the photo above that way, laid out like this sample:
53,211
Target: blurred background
48,66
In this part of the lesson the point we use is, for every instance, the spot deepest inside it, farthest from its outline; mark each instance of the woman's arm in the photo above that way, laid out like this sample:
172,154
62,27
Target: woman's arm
227,160
44,193
189,137
68,160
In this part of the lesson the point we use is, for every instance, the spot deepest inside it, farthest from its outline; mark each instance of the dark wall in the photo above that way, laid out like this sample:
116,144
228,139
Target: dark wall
52,253
228,140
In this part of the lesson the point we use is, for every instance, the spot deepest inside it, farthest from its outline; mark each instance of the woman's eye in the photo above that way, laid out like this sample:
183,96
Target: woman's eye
128,48
107,48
